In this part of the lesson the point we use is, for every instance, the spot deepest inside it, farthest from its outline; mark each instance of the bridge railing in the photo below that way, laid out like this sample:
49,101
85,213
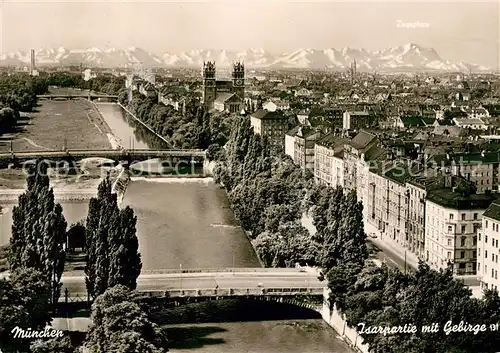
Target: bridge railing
220,270
223,292
118,152
219,292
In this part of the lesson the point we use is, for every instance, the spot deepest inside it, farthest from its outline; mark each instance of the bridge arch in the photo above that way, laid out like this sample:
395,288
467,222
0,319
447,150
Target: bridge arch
227,309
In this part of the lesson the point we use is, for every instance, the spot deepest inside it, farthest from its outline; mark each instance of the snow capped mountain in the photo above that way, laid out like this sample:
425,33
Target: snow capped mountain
408,57
90,57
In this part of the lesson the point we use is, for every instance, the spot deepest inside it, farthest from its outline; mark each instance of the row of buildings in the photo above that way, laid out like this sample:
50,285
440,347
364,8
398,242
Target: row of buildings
440,206
435,197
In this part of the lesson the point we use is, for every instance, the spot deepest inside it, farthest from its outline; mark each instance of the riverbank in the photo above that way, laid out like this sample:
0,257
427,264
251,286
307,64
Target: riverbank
145,125
56,125
114,141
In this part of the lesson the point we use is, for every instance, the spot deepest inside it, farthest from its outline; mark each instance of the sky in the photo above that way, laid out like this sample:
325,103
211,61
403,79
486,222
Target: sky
457,30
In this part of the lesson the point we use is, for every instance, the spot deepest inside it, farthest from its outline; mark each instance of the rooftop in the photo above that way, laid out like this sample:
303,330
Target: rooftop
493,211
332,140
307,132
476,158
362,140
448,198
223,97
293,131
363,113
468,121
263,114
412,121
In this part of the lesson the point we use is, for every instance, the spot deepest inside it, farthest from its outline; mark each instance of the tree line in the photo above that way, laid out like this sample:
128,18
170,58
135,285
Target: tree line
270,195
103,83
37,251
17,94
190,127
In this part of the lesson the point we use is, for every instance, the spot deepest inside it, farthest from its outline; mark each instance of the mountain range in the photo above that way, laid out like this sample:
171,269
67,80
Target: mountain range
408,57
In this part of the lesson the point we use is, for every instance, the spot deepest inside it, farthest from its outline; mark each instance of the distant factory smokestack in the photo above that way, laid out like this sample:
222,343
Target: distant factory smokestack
32,63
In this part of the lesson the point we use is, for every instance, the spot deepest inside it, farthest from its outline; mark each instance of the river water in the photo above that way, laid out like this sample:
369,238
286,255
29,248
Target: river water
188,222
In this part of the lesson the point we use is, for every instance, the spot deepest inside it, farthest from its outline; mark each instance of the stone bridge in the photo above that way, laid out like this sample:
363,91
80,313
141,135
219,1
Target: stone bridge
90,97
173,158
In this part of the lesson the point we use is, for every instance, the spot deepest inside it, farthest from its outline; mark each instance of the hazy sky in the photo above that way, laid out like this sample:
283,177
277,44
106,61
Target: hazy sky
467,31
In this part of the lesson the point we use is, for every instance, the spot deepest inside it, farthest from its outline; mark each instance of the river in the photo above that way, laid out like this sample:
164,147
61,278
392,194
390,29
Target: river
188,222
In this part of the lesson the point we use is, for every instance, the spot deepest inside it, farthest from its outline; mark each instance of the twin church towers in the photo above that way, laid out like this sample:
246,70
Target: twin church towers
224,95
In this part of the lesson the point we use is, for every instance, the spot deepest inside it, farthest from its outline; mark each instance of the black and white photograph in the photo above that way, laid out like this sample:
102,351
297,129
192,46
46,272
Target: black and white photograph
249,176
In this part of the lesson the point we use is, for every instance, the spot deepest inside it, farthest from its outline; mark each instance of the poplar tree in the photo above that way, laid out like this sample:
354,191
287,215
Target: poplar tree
39,230
125,264
352,237
111,242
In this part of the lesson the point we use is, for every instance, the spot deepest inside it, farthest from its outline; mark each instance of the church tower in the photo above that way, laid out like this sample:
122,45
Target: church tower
209,86
239,80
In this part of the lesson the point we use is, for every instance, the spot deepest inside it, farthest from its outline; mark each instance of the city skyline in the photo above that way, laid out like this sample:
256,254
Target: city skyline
458,31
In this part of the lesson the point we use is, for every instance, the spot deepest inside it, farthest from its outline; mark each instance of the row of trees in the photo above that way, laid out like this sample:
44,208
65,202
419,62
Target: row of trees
36,260
104,83
269,196
180,129
17,93
191,127
112,247
379,296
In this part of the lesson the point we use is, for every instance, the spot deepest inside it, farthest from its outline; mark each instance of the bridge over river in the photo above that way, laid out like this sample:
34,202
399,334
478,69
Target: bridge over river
89,96
118,155
215,282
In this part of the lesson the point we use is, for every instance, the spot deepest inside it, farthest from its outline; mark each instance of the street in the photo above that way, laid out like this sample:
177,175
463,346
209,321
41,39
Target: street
76,285
392,259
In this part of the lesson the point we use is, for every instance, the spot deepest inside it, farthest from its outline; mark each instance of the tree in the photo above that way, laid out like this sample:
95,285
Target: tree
125,262
8,119
340,279
39,230
490,314
214,152
352,237
119,325
112,245
59,345
24,303
76,236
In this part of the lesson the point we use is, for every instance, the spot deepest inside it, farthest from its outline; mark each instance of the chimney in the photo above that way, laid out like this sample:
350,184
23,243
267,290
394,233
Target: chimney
32,61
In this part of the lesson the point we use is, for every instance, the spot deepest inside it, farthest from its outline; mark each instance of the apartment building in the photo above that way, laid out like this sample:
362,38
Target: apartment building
417,188
386,200
375,209
274,125
357,120
329,160
290,141
481,168
356,152
305,140
488,249
453,220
